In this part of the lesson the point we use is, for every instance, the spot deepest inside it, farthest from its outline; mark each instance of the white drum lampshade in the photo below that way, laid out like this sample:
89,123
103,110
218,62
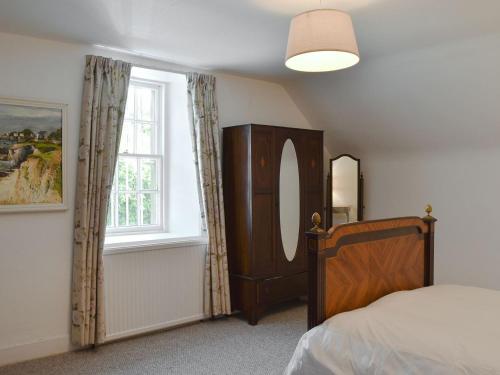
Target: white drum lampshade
321,40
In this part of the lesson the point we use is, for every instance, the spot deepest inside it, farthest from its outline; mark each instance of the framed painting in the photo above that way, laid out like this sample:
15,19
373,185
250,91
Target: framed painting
32,155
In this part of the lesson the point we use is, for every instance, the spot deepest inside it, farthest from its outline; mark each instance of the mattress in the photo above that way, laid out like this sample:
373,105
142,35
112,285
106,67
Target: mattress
445,329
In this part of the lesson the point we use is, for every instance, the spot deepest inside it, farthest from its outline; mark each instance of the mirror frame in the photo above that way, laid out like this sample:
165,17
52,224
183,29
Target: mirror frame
329,187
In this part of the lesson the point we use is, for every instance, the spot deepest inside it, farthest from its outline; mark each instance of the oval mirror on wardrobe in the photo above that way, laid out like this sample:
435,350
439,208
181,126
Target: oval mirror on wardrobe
345,187
289,200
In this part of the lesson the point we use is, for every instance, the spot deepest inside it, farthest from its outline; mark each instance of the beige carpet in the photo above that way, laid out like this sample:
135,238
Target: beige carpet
225,346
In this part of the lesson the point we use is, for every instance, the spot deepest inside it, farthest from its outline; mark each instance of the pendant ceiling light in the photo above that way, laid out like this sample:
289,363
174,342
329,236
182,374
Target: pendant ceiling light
320,41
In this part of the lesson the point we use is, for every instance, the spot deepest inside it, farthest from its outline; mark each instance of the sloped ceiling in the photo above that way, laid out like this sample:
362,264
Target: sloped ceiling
436,99
429,76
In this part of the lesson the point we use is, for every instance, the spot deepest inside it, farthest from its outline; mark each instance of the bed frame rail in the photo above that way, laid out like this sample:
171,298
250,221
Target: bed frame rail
352,265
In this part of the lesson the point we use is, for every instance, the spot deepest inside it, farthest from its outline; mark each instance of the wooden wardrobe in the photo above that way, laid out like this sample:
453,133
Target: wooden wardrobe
260,273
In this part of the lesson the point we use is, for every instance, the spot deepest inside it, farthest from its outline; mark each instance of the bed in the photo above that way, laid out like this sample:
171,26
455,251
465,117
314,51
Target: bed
373,309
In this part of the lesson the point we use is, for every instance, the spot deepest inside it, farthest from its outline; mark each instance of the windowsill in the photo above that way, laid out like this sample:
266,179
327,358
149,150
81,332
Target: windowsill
131,243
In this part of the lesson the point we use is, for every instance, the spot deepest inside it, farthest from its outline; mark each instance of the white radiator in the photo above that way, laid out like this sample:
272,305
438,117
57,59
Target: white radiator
151,290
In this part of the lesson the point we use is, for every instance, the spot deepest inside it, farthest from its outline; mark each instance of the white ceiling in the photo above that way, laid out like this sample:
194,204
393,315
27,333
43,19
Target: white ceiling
242,36
370,106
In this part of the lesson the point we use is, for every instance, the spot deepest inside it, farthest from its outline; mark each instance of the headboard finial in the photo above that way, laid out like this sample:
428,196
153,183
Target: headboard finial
316,220
428,209
429,217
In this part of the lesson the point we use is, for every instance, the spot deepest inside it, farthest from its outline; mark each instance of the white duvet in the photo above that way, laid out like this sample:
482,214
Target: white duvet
445,329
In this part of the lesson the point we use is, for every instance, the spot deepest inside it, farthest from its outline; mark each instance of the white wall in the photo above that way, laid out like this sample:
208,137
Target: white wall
263,103
439,144
258,102
463,187
426,124
36,248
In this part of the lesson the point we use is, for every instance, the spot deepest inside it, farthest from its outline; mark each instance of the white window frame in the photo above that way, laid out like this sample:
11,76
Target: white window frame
169,234
161,172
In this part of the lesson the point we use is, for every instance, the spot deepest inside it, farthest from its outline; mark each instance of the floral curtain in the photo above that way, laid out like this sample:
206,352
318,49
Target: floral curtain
207,153
103,106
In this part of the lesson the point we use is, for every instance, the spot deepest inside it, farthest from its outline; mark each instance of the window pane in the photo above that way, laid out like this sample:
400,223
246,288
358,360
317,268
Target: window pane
121,169
122,209
149,204
131,174
129,108
136,196
145,139
127,139
148,174
127,173
127,209
132,209
145,99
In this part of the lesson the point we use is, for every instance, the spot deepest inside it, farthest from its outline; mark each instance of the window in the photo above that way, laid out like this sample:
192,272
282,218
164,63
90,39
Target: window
154,199
137,195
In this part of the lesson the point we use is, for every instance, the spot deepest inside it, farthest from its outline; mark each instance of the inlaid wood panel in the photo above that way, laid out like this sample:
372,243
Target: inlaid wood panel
352,265
313,183
314,161
263,159
363,272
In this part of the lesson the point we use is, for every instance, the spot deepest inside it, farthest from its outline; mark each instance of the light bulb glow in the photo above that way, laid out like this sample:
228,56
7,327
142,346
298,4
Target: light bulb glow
322,61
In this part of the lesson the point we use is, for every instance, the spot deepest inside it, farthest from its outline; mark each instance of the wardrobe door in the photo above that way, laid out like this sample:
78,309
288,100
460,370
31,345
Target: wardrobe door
263,201
313,166
289,152
237,200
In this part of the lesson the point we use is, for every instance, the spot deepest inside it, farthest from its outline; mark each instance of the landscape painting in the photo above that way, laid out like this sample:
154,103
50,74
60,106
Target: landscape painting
32,141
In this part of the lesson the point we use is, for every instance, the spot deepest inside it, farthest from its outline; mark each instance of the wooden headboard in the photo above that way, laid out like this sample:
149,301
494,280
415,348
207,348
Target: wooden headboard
352,265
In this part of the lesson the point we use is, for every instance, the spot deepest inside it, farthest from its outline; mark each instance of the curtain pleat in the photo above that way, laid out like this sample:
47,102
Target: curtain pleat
205,133
103,107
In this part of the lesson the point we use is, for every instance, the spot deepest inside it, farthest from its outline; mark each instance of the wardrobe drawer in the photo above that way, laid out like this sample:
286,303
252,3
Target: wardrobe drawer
279,289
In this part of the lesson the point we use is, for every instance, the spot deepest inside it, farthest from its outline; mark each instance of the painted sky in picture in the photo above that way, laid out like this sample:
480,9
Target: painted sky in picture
17,118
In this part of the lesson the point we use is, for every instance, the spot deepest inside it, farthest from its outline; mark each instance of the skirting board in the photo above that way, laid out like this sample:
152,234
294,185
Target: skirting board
35,349
153,328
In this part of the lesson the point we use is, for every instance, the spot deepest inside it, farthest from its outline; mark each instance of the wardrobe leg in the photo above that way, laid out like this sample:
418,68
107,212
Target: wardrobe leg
253,316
